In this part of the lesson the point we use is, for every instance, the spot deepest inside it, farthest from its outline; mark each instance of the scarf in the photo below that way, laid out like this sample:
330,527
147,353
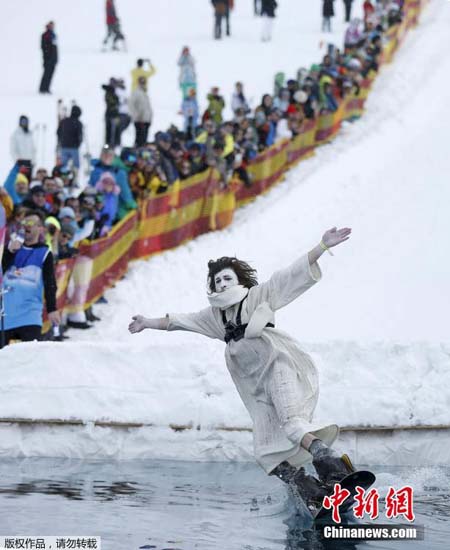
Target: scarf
229,297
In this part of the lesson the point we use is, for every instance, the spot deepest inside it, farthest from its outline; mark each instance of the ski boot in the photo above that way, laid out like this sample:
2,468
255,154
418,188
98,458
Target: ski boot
304,487
330,467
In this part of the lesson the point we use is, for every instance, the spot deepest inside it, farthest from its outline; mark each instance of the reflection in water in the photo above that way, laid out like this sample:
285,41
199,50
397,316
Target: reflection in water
174,505
73,490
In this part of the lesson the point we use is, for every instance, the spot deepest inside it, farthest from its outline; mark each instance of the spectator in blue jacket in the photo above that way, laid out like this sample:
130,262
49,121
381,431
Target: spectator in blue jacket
29,276
189,108
109,189
106,164
16,184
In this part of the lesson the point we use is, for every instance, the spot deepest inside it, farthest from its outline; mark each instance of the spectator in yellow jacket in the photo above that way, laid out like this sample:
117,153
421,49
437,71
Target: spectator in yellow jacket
139,72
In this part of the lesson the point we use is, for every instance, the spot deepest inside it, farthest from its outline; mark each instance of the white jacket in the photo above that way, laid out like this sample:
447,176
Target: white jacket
139,105
22,145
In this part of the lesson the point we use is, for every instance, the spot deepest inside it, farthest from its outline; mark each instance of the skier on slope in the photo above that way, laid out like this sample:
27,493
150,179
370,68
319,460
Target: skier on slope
276,380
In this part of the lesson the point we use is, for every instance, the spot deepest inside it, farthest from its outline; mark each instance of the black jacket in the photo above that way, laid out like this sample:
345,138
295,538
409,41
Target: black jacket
70,131
328,8
49,47
111,100
268,7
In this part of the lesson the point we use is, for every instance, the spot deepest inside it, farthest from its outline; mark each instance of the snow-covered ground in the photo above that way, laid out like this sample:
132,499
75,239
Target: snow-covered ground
157,30
377,324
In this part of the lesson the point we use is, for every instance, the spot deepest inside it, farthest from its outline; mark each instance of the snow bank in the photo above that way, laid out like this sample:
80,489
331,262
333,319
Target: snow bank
376,325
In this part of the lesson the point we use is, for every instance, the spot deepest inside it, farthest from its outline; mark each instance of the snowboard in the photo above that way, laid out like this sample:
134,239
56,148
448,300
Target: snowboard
360,478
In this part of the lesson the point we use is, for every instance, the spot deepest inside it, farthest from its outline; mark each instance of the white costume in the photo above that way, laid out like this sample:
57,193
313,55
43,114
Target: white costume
276,380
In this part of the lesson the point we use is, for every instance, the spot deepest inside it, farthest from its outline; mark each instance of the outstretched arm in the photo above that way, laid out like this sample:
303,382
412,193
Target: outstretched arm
330,238
140,323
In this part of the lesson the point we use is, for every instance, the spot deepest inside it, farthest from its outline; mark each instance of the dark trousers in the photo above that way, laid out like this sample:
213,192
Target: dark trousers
218,18
141,133
112,130
49,69
218,25
348,9
25,334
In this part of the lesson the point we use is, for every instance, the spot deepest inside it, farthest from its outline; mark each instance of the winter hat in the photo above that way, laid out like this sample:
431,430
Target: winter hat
163,136
300,96
75,112
292,109
66,212
21,178
354,64
67,228
107,178
51,220
35,183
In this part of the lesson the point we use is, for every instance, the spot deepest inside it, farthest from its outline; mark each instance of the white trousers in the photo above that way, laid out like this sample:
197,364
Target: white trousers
267,27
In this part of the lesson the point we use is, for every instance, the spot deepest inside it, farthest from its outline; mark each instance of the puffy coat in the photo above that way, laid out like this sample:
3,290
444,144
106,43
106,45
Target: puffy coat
268,7
70,129
22,145
126,200
139,106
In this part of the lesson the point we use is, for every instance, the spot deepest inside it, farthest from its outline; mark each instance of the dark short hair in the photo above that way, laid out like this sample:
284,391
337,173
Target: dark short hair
140,62
245,273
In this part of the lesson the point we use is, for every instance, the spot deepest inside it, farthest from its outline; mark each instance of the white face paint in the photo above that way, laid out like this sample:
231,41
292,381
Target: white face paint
225,279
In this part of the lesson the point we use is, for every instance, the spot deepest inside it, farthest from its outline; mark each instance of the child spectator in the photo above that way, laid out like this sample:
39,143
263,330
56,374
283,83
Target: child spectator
109,189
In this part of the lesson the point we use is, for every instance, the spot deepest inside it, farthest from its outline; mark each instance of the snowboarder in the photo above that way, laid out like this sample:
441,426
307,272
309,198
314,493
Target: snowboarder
276,380
113,27
49,56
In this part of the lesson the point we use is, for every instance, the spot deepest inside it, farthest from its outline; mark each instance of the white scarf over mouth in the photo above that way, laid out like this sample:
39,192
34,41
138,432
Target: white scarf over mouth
234,295
228,298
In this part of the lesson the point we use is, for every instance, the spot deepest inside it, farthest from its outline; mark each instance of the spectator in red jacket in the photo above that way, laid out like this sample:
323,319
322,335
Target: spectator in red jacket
113,26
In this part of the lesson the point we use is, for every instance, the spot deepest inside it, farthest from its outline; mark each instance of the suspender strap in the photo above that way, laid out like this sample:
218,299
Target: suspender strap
236,331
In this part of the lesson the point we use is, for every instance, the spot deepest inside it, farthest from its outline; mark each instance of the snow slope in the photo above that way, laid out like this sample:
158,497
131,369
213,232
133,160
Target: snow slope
376,324
158,30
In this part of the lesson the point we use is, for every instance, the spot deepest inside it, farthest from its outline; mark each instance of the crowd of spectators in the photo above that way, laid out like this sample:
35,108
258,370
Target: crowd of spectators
121,177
